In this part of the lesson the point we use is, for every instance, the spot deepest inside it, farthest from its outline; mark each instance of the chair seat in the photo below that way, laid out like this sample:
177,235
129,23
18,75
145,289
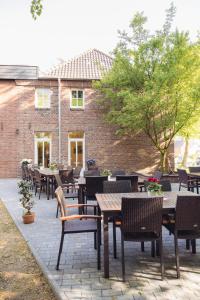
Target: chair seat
84,225
141,236
188,234
71,195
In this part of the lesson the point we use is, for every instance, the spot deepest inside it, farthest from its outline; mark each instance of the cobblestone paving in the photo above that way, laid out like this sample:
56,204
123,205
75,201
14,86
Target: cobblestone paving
78,277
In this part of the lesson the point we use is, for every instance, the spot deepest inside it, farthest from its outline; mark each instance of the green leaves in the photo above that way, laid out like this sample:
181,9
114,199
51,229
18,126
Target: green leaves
154,84
36,8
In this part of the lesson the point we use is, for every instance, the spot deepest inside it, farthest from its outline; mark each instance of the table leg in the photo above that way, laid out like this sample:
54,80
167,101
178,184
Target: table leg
106,245
47,187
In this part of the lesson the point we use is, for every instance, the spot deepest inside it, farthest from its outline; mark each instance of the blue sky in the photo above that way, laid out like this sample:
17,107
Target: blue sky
67,28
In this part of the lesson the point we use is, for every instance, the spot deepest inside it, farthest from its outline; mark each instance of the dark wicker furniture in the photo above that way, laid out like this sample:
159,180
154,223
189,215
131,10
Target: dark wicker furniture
132,178
78,224
141,221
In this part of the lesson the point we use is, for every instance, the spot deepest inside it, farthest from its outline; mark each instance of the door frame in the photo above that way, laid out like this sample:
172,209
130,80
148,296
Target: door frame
42,139
69,148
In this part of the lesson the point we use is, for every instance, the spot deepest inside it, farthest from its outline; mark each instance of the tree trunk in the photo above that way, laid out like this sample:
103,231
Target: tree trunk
164,164
185,154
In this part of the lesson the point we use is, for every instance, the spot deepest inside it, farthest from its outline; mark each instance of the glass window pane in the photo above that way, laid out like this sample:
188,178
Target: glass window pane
73,153
80,94
76,134
74,94
74,102
46,154
40,153
43,98
42,135
80,102
80,154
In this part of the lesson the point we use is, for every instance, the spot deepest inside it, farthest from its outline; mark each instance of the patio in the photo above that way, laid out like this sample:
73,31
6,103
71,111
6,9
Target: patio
78,277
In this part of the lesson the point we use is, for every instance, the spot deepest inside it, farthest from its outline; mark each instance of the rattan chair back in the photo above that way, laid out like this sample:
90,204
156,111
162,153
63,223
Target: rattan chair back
119,186
118,172
183,176
58,180
92,173
37,176
66,176
60,199
158,175
194,169
166,185
94,185
188,213
141,215
132,178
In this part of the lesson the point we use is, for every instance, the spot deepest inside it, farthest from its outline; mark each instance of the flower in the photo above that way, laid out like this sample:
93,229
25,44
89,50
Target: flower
154,185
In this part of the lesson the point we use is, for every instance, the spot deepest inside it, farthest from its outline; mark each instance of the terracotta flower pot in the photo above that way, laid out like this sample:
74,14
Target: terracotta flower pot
28,218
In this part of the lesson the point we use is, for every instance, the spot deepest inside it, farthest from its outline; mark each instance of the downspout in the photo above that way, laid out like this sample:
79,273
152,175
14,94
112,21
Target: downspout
59,120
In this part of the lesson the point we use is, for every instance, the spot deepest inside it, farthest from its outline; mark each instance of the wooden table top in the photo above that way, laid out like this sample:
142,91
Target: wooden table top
194,174
48,172
112,202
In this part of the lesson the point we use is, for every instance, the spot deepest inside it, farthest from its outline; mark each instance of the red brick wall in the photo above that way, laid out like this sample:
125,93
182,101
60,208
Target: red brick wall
19,120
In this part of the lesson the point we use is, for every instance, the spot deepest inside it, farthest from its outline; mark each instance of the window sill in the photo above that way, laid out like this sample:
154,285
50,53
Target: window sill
77,108
43,109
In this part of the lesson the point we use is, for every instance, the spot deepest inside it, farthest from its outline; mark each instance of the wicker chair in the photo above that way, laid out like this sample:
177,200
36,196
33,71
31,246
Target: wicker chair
194,169
186,182
132,178
141,221
78,224
166,185
70,190
186,224
40,182
94,185
76,172
118,172
120,186
66,176
158,175
94,172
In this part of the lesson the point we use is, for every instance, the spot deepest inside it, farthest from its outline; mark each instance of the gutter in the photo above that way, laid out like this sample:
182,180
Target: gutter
59,120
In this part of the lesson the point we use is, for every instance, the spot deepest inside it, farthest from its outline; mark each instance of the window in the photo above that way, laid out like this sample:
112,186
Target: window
77,99
42,98
76,149
42,149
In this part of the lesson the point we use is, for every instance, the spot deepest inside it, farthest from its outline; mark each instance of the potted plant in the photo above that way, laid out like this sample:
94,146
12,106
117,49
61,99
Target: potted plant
91,164
26,201
53,166
25,161
106,172
154,188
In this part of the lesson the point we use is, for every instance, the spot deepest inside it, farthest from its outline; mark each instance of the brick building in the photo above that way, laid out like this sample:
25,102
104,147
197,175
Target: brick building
56,118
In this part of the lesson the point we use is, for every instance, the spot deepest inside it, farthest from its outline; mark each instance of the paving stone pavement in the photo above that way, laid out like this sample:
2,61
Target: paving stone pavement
78,277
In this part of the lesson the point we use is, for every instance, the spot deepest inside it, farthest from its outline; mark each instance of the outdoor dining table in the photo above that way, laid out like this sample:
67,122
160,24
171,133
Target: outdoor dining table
48,173
110,205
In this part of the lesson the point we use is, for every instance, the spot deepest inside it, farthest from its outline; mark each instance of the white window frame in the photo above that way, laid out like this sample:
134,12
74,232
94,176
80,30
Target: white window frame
36,98
77,106
69,149
41,139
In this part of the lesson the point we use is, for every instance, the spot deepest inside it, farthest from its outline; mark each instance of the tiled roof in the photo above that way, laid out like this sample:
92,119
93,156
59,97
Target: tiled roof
89,65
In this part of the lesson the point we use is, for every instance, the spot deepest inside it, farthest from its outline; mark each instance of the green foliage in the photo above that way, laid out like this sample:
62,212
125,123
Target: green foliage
36,8
24,190
153,86
106,172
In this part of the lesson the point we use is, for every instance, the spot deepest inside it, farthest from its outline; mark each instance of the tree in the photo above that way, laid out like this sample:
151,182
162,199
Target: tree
36,8
192,130
153,86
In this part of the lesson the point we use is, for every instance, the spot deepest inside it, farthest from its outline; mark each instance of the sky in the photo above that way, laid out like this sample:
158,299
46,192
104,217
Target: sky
68,28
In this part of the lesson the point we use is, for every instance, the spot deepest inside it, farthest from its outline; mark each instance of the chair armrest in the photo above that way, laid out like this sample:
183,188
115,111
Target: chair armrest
81,205
80,217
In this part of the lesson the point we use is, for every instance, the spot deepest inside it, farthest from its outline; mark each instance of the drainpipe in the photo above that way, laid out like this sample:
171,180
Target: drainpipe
59,120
